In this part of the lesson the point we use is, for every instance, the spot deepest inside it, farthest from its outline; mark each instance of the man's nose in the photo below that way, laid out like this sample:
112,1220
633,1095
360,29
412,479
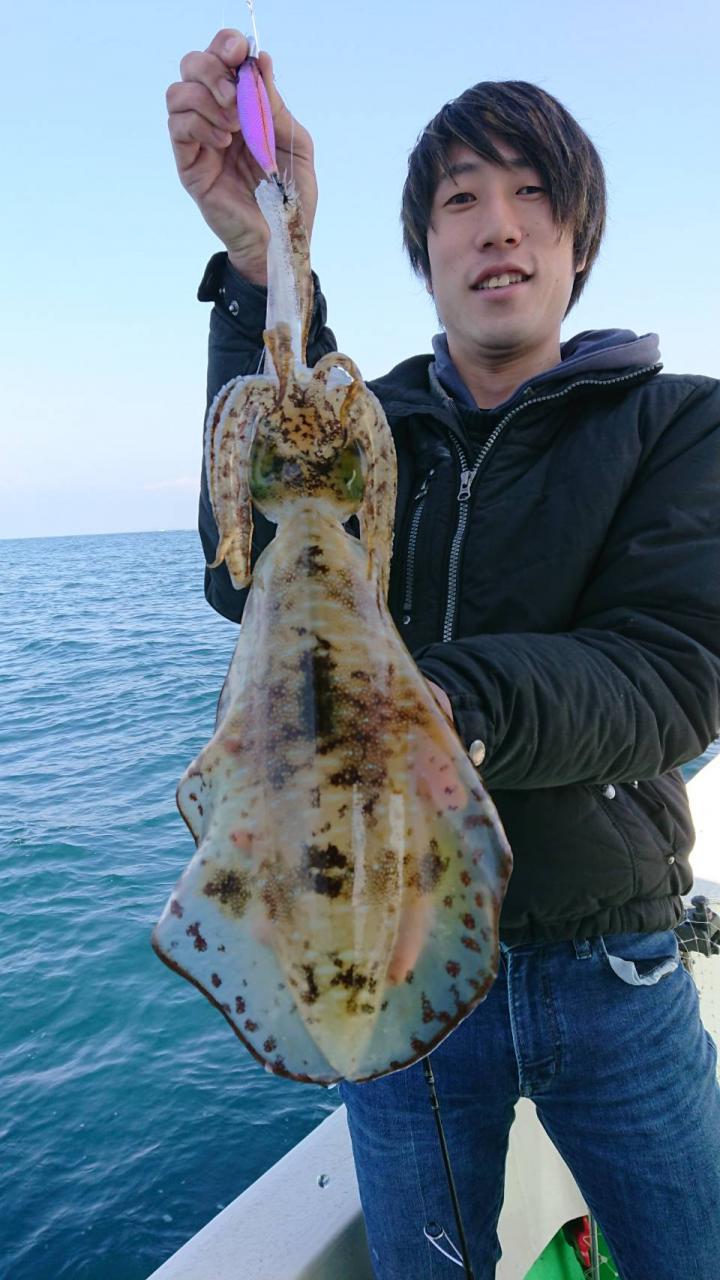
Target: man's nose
498,225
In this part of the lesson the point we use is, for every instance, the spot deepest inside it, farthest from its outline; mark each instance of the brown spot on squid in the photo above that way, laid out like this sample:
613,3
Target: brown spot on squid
193,931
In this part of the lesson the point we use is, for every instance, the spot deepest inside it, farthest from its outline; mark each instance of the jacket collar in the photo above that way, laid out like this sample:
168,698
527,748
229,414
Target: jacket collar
603,355
594,351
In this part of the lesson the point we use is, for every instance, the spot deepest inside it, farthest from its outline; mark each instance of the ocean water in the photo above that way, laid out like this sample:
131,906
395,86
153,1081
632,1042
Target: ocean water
129,1112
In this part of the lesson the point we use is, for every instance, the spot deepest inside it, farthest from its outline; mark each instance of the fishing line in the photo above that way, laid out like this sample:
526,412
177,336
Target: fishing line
292,149
435,1105
256,38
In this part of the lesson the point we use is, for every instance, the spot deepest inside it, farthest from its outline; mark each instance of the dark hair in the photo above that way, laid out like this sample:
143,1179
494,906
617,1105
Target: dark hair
543,133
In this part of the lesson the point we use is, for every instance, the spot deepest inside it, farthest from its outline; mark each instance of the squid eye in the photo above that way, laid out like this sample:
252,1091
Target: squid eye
350,474
265,469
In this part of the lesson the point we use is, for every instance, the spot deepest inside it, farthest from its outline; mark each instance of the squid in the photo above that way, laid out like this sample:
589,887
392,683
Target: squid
341,908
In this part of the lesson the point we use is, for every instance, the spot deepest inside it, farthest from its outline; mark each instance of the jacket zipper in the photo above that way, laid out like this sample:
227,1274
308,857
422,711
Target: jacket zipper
468,475
419,501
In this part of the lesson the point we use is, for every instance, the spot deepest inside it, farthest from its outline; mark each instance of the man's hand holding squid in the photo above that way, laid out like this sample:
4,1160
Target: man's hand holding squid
213,162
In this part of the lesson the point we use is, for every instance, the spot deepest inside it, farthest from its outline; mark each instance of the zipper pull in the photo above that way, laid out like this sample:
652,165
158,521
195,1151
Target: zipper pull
466,479
424,487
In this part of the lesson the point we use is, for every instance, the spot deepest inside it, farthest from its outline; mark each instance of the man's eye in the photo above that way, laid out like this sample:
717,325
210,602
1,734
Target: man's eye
531,191
460,197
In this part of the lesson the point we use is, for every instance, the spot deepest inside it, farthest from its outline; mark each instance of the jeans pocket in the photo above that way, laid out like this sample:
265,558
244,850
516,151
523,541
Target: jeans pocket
641,959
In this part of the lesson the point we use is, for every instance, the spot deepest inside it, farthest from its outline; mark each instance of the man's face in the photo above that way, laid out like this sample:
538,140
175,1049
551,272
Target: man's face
488,222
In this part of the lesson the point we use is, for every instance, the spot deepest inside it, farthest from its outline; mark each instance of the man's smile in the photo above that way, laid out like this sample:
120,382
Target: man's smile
500,278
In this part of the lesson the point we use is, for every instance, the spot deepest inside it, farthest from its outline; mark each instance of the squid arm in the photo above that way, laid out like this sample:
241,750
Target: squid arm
362,419
230,433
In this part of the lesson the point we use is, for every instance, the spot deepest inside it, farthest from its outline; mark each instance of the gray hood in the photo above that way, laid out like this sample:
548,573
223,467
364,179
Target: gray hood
593,351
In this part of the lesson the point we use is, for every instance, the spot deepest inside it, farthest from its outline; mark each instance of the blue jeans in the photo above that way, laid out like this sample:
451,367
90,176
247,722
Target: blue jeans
623,1076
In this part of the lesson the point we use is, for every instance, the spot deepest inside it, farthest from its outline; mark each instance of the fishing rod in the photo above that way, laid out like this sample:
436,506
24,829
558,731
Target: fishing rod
463,1258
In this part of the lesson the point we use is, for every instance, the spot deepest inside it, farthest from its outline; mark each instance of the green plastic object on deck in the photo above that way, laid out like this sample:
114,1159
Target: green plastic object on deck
559,1261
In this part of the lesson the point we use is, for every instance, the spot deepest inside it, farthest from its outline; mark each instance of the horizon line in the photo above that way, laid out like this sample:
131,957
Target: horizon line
115,533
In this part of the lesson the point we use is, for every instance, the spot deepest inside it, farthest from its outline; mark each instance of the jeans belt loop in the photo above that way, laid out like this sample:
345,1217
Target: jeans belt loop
583,950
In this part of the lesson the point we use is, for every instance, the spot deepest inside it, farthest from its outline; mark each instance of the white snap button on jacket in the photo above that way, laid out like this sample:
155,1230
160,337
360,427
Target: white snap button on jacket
477,752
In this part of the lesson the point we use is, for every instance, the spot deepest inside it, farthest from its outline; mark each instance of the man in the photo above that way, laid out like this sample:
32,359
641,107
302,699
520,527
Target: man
556,576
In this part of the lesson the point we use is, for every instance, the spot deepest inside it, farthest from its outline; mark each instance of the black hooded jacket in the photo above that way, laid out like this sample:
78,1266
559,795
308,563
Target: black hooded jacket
557,571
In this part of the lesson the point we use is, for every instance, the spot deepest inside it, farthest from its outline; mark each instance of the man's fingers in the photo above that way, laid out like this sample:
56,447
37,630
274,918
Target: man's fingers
189,127
230,46
185,153
442,700
217,76
415,922
182,97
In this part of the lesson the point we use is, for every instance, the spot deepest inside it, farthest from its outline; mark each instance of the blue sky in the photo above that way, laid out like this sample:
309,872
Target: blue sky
103,344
